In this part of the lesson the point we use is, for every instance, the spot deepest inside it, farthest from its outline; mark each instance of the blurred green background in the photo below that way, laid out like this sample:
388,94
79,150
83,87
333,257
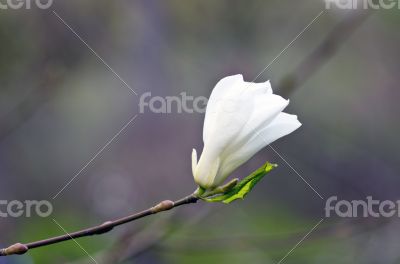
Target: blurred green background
60,105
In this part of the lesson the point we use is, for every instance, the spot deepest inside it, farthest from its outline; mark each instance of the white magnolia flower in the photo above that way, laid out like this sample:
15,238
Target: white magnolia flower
241,119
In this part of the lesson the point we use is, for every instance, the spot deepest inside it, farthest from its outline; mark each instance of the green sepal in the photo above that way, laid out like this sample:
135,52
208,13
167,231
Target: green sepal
242,188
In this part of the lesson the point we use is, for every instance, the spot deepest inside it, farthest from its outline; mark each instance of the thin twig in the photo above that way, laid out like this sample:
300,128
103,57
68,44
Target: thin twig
19,248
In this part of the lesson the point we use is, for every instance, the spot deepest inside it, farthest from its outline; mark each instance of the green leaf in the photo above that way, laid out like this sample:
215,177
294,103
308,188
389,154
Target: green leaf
244,186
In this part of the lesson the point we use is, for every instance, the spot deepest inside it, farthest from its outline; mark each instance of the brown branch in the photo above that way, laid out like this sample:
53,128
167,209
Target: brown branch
19,248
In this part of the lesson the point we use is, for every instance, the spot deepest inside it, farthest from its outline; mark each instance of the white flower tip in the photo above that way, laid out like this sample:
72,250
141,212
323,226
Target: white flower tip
268,86
295,121
299,124
239,75
287,102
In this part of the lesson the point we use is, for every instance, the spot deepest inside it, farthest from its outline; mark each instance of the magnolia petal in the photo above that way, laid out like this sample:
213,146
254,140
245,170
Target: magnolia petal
266,109
282,125
268,87
206,172
226,122
230,84
194,160
231,103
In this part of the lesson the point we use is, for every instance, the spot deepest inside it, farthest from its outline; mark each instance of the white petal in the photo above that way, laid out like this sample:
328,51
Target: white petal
207,169
233,99
261,88
230,115
268,86
282,125
266,109
222,103
224,86
194,160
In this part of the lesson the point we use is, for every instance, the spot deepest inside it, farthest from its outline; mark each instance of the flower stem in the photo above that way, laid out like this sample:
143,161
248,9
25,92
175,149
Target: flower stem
19,248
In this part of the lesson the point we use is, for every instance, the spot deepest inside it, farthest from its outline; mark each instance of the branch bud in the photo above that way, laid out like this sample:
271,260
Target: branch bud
104,228
16,249
163,206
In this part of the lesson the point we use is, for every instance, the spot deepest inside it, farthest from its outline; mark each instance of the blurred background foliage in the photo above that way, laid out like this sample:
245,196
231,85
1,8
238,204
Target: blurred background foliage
59,105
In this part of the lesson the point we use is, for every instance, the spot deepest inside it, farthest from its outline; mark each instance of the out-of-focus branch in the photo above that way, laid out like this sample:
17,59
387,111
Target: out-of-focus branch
323,52
19,249
44,75
28,106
